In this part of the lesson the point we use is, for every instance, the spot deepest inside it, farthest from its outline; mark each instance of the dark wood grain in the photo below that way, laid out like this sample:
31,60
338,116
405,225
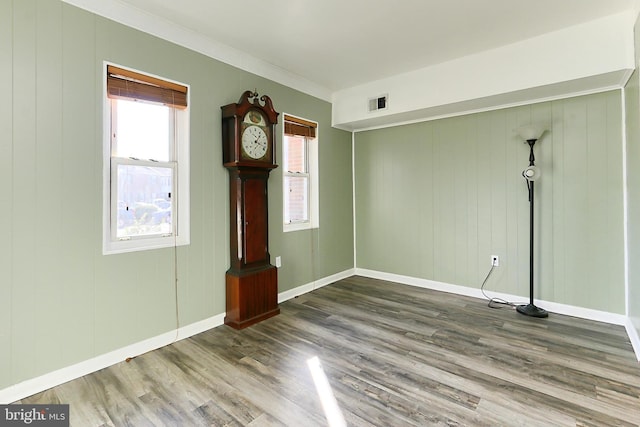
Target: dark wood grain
394,355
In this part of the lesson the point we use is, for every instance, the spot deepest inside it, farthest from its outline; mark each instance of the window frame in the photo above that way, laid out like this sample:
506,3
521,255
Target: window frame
180,233
311,159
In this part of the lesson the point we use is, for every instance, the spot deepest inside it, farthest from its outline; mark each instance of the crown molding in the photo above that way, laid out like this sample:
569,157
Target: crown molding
170,31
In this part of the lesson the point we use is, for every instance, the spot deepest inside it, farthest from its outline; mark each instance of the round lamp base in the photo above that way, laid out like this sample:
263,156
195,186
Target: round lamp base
532,310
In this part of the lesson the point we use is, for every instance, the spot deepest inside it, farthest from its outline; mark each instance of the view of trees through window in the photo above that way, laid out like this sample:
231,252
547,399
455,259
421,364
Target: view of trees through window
144,200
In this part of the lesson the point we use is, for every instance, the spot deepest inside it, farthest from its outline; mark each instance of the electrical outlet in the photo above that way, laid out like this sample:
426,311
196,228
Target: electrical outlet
495,261
278,262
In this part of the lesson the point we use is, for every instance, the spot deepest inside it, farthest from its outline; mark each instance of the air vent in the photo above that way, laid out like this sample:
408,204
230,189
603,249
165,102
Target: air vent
378,103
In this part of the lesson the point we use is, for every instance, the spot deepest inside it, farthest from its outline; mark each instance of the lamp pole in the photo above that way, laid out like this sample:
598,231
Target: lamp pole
531,309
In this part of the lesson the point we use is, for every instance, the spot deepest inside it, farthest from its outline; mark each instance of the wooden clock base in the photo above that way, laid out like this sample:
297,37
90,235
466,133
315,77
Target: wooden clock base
252,296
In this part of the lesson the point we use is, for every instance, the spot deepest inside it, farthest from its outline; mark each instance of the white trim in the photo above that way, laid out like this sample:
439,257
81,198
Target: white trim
297,226
353,194
569,310
632,332
625,200
61,376
44,382
35,385
151,24
313,191
182,229
633,337
295,292
429,116
303,289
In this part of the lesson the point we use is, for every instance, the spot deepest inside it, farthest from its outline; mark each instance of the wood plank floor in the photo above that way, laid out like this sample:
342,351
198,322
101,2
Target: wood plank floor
392,355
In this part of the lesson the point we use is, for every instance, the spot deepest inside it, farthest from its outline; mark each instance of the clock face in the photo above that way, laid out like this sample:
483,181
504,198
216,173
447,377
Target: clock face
254,142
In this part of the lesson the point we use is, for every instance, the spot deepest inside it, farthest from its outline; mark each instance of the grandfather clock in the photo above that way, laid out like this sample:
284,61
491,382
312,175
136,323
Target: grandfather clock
248,152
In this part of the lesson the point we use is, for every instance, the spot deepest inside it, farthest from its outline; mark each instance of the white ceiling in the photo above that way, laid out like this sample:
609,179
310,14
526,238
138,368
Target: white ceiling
337,44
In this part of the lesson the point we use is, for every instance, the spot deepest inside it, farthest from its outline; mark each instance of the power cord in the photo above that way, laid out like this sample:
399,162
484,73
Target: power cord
493,301
175,289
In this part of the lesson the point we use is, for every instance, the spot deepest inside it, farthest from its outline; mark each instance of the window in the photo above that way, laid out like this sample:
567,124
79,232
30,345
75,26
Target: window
300,174
146,170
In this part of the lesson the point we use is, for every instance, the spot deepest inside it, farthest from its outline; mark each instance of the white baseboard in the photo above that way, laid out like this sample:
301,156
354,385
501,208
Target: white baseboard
554,307
633,337
61,376
303,289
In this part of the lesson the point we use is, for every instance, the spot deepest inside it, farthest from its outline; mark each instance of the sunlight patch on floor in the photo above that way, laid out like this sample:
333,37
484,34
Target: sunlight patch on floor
327,399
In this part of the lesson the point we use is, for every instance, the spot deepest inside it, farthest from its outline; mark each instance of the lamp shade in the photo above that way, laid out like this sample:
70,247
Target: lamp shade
531,132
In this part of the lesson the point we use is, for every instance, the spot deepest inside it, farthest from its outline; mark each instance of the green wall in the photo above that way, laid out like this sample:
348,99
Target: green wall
61,300
434,200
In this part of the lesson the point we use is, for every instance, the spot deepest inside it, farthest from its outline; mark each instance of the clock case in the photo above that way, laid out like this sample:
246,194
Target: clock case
251,281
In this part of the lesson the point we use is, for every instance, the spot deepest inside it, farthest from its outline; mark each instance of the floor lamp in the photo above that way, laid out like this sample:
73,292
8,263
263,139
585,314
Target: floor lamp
530,134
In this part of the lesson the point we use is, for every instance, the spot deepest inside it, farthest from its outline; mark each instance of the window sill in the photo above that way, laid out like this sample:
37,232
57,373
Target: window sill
145,244
297,226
